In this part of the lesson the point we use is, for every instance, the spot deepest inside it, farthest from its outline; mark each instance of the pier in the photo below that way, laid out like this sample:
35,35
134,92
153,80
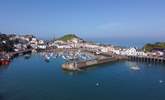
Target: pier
101,58
85,64
148,59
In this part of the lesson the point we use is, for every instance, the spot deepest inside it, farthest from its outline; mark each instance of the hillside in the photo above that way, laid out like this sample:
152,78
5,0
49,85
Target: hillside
69,37
150,47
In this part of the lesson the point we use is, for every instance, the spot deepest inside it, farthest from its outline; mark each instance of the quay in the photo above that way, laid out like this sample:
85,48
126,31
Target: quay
84,64
5,58
101,59
148,59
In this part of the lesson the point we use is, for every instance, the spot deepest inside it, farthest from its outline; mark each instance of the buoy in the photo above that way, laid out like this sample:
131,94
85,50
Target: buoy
160,81
97,84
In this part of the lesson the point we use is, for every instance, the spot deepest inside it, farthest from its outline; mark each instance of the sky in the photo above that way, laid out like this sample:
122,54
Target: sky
86,18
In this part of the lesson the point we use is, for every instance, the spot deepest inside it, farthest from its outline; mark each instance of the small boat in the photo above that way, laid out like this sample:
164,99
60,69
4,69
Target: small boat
160,81
97,53
4,61
51,54
135,68
47,58
27,56
83,58
64,57
97,84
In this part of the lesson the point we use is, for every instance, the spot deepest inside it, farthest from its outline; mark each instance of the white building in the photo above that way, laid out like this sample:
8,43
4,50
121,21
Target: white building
75,40
132,52
104,49
34,41
63,46
41,46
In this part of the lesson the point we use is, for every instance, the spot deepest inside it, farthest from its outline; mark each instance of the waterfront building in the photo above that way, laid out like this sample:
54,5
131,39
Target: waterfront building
41,46
63,46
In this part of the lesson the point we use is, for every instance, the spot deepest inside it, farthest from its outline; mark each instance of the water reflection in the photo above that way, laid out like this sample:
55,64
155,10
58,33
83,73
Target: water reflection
4,67
1,97
73,73
38,80
27,56
133,65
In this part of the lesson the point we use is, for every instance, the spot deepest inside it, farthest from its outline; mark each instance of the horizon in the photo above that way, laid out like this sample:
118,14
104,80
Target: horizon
88,19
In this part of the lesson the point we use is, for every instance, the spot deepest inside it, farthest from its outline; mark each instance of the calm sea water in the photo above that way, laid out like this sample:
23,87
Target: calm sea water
127,42
35,79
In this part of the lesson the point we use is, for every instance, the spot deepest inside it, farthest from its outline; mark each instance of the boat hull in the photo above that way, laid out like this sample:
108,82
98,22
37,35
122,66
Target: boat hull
4,62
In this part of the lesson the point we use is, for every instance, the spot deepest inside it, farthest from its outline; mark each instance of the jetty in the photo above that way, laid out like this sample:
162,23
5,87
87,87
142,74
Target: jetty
104,58
148,59
84,64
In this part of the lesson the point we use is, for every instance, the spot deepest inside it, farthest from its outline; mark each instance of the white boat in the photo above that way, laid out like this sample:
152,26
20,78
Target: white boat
51,54
135,68
160,81
64,57
47,58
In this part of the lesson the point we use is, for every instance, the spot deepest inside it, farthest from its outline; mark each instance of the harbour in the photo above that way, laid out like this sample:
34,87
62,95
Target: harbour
82,50
75,62
36,78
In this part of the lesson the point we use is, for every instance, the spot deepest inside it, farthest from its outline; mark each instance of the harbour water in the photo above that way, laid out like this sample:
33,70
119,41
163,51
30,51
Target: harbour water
37,79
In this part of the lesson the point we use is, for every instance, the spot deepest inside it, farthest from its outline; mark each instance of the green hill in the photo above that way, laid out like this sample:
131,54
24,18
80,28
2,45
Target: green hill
69,37
150,47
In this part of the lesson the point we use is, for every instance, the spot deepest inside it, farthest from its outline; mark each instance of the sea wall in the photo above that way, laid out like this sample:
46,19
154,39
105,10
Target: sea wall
85,64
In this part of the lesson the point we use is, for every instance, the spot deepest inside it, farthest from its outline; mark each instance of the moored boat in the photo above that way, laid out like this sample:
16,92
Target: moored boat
27,56
47,58
4,61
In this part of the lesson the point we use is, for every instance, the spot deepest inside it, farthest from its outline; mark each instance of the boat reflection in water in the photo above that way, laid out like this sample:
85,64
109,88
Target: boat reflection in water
4,67
27,56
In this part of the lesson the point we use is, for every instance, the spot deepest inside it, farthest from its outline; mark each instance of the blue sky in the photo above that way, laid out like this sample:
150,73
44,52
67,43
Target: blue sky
87,18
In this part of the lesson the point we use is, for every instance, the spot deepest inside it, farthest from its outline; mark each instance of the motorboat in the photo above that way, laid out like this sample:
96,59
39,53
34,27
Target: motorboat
135,68
27,56
47,58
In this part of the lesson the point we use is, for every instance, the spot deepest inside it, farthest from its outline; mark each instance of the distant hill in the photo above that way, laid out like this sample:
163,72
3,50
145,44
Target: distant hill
158,46
69,37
